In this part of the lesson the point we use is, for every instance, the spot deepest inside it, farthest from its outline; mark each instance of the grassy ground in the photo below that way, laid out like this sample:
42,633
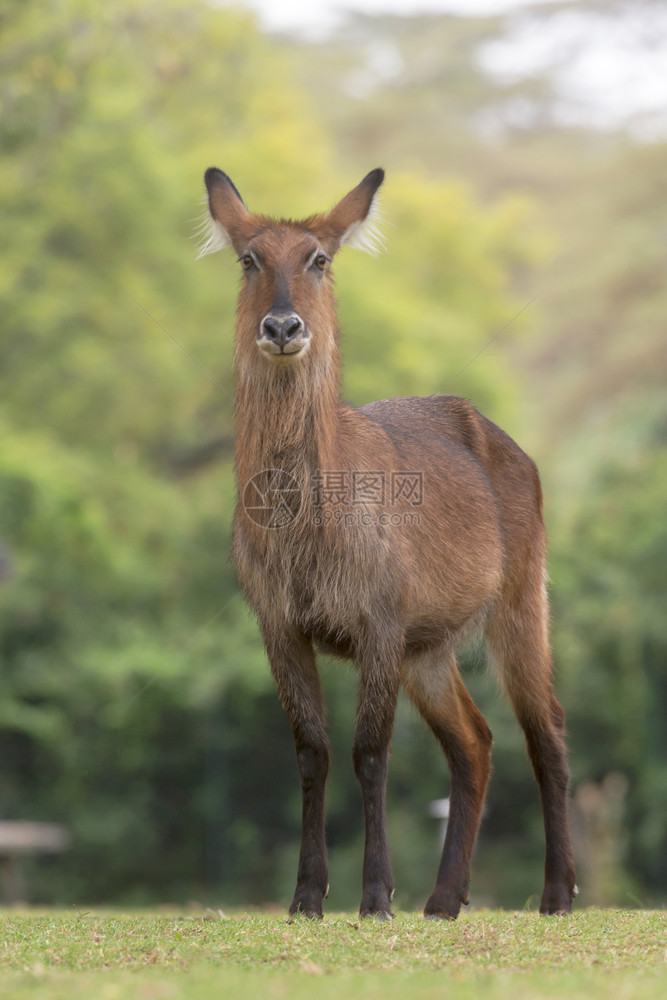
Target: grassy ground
594,954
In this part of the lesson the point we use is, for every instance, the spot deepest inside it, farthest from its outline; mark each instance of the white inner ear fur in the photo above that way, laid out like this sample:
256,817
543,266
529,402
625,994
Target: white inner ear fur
365,234
210,234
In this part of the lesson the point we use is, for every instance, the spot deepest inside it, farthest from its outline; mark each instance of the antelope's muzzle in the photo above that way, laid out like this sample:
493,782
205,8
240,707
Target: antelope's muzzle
282,333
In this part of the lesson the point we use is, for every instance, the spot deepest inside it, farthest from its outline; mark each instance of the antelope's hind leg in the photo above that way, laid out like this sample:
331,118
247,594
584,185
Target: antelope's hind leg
517,639
294,669
434,684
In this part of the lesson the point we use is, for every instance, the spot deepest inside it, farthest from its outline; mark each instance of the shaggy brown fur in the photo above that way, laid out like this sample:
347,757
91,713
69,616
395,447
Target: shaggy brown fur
395,595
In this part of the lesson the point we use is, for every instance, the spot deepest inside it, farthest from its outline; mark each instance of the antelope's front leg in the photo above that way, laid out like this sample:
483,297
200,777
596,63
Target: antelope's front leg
375,720
293,666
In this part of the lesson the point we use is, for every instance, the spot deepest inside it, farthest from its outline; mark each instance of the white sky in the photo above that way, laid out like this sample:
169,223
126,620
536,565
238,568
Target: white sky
315,17
608,68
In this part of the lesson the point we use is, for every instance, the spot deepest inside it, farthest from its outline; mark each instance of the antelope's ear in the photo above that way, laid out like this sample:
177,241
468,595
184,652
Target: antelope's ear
228,222
353,222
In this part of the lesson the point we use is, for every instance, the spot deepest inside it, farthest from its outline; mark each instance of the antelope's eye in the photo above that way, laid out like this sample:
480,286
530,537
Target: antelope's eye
246,261
321,261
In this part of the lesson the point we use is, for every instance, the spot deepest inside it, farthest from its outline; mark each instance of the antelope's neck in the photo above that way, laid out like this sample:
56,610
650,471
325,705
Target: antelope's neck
288,419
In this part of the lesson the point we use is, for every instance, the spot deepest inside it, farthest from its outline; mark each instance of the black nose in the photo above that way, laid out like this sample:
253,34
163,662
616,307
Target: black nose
281,327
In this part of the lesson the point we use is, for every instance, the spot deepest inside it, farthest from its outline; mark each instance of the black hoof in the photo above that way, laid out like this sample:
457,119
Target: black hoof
307,903
376,902
309,914
444,906
376,914
557,900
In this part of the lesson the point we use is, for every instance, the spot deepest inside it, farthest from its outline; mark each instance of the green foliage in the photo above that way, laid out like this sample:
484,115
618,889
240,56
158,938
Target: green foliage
135,702
136,705
612,644
439,297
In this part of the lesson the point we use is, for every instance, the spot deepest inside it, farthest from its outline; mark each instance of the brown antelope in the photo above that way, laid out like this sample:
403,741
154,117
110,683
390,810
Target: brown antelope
335,565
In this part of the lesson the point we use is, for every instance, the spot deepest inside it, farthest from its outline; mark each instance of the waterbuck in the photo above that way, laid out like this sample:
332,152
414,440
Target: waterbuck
383,535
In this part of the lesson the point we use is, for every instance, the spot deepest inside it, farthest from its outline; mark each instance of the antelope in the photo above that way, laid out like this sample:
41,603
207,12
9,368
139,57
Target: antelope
325,572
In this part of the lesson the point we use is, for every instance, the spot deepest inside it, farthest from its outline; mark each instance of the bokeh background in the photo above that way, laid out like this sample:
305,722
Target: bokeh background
525,217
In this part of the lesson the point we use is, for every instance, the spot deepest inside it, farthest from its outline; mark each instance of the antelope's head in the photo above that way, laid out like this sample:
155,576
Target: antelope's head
286,303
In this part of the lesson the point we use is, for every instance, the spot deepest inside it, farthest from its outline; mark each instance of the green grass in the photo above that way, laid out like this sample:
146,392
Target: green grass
606,954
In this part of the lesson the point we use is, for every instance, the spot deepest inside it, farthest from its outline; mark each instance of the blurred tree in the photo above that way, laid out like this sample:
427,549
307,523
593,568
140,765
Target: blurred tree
610,591
135,702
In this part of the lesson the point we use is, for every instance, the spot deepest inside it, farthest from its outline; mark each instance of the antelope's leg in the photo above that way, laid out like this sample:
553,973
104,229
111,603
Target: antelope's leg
544,733
518,644
375,721
293,667
434,684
